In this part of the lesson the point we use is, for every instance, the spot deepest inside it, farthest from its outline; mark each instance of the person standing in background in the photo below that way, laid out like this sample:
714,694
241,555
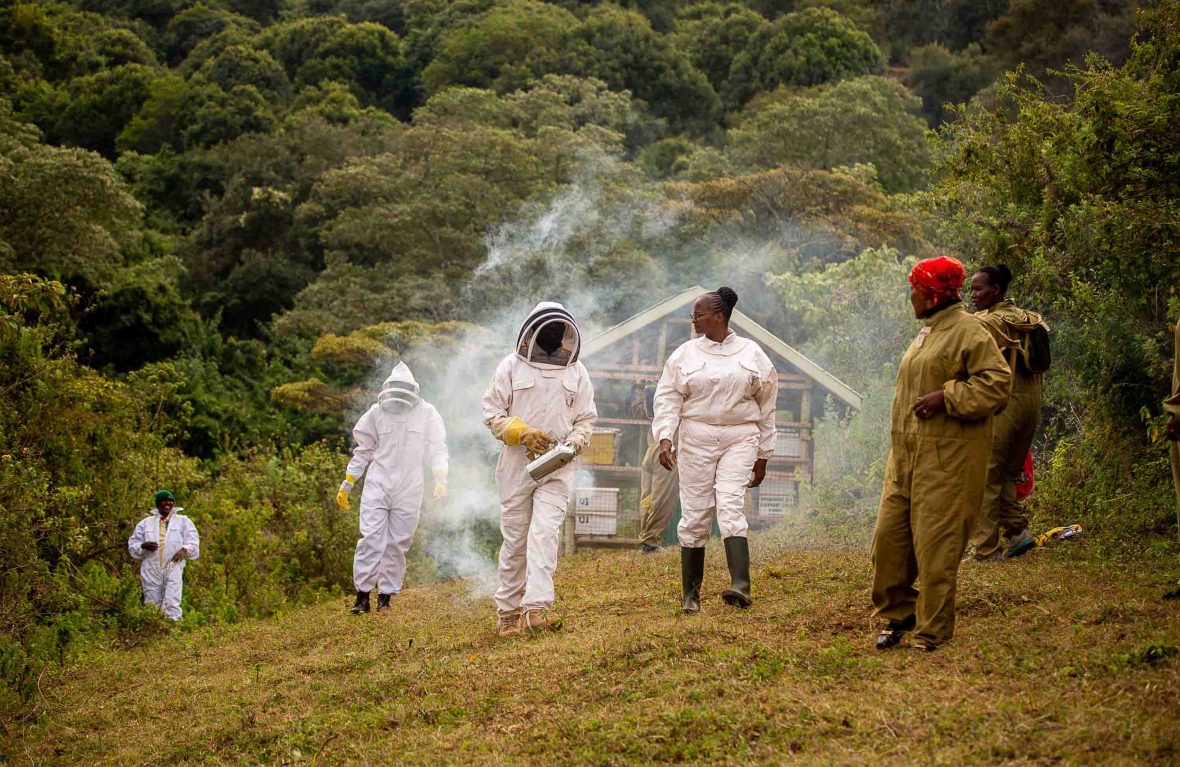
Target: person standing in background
1013,428
162,543
658,488
1172,431
950,383
720,391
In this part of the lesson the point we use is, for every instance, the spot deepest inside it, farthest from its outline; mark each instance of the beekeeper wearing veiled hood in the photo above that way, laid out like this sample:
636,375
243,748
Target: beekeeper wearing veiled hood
162,542
539,395
394,438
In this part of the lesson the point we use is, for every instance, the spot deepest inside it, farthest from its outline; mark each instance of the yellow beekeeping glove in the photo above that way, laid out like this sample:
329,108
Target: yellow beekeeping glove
536,441
440,490
345,489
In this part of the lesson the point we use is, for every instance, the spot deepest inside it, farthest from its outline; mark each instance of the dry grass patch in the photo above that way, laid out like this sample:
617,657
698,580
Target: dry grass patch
1057,658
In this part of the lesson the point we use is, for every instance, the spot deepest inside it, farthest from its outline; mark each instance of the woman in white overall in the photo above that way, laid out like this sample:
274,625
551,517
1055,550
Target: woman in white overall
720,390
539,394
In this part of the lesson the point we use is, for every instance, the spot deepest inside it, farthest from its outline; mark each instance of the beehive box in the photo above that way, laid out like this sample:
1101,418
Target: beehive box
596,511
788,443
603,447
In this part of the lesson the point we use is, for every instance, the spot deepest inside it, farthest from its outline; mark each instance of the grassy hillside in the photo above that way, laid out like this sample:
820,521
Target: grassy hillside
1058,658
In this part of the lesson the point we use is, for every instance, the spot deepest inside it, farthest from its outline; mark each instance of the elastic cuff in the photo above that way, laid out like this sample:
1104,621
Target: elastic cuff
765,455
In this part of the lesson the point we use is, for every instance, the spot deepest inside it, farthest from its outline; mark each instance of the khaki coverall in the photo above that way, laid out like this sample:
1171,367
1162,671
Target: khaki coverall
1172,407
937,470
658,489
1013,430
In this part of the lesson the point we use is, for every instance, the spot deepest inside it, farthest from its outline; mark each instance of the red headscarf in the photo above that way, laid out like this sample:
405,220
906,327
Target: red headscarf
940,279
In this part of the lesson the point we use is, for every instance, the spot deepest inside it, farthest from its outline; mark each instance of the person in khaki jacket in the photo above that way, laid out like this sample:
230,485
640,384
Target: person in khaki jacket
950,382
1172,430
1016,426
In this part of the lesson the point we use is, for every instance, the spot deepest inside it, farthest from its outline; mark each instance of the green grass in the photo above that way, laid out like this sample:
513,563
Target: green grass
1058,658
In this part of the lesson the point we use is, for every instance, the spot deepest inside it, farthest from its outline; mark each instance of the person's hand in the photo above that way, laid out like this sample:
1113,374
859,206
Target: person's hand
930,405
180,555
440,490
149,545
1172,428
536,441
759,472
342,499
667,454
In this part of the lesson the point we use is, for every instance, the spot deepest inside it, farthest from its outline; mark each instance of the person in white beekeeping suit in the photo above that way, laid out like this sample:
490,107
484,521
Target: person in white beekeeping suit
720,390
539,395
394,438
162,543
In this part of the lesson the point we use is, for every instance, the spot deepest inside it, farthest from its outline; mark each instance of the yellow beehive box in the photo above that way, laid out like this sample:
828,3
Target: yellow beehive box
603,447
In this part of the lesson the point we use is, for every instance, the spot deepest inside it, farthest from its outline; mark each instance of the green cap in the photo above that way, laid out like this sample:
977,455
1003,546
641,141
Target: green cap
163,495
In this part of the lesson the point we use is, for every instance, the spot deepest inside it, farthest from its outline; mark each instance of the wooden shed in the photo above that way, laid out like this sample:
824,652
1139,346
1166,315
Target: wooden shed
621,359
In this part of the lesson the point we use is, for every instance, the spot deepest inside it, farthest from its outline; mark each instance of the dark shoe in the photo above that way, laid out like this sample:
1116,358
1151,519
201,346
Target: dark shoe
361,605
692,572
383,602
1020,544
737,555
1172,594
648,549
921,646
891,635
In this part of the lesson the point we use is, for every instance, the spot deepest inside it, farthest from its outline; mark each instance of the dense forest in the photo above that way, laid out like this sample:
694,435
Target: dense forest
219,220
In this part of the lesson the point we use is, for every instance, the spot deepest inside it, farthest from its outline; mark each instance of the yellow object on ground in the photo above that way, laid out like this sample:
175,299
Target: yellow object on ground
937,470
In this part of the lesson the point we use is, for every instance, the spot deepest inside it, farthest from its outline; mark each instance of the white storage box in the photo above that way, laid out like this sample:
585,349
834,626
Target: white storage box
596,511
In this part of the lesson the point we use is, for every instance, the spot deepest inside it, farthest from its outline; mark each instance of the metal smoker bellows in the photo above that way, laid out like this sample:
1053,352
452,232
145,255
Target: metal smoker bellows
544,465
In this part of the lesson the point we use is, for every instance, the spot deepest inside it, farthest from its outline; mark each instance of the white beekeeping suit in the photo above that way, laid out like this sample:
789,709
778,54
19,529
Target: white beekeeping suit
394,439
538,394
162,578
720,390
722,397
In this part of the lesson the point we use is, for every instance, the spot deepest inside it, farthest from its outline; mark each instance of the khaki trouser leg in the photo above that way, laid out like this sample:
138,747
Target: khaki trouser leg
1000,513
658,491
1175,456
895,567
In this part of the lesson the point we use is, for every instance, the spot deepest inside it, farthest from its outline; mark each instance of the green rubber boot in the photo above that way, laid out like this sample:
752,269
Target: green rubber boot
692,572
737,554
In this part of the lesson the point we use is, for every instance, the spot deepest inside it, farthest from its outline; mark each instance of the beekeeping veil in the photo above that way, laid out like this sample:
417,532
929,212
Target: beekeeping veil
399,393
549,337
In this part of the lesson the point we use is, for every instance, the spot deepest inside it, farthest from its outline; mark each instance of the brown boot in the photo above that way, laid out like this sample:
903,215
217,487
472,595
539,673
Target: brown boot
538,619
509,625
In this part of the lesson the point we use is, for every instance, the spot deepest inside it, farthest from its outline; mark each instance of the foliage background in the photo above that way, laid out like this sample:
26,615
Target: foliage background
221,221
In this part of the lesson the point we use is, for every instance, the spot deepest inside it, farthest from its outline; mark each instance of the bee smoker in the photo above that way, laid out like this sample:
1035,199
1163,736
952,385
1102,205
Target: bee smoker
544,465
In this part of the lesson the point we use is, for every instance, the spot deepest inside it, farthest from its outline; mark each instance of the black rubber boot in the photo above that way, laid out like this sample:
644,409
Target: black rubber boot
891,635
692,572
383,602
737,554
361,605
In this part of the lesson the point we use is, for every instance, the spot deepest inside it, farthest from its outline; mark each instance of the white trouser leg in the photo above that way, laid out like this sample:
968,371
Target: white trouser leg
370,548
402,524
153,588
734,472
550,502
714,464
516,511
173,590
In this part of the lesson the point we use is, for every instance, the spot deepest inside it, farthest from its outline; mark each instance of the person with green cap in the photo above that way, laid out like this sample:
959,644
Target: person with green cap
162,542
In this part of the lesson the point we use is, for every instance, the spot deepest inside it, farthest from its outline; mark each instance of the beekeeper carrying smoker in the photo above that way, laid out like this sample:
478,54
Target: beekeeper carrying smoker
394,438
540,397
162,543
